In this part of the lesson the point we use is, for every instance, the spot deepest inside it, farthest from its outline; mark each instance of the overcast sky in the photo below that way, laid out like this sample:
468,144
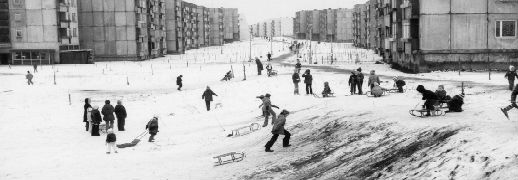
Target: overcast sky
259,10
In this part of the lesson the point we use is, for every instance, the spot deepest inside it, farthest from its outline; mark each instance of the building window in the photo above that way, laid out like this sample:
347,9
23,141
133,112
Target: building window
75,32
506,29
18,2
74,17
19,33
17,17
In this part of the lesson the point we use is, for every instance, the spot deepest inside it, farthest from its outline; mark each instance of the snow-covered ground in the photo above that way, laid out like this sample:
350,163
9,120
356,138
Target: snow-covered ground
355,137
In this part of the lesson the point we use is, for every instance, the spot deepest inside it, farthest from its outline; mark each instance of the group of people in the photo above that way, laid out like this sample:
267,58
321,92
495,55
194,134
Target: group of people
269,68
434,99
92,116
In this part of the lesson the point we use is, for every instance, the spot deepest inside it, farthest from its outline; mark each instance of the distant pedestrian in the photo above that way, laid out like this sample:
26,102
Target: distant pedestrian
278,129
296,80
35,66
120,112
152,127
359,83
179,82
259,66
269,69
511,76
207,95
373,78
308,80
111,139
353,81
269,56
96,120
87,115
29,77
107,112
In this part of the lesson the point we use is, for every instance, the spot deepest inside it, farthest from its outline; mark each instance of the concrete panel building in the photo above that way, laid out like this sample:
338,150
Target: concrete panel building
190,25
39,32
203,26
230,25
174,27
331,25
344,25
244,29
216,26
123,29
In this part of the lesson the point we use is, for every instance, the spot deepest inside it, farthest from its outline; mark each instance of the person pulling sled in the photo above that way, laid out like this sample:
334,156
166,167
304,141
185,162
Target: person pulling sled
152,127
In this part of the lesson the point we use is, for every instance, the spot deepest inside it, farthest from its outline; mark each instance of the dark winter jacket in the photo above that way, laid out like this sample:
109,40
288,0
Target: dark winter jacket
120,112
152,126
96,117
308,78
513,94
327,90
111,138
259,64
455,105
441,94
511,75
86,106
108,112
400,83
298,65
278,125
295,77
427,94
360,77
179,80
207,95
353,79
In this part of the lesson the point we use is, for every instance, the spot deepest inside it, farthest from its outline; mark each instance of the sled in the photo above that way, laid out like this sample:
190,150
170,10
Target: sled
218,105
443,104
245,130
134,142
102,129
229,158
272,73
394,91
422,112
369,94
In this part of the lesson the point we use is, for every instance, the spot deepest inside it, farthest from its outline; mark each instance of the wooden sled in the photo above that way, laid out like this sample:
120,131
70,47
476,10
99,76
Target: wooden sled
273,73
422,112
229,158
134,142
245,130
394,91
369,94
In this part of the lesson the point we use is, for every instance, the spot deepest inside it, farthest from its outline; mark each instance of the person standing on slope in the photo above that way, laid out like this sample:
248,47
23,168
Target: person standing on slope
308,80
296,80
511,76
278,129
96,120
87,115
207,95
259,66
120,113
179,82
267,109
359,78
107,112
353,80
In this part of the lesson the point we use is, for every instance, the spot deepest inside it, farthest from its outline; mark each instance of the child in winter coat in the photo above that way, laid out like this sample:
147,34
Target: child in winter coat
278,129
455,104
110,142
373,78
359,83
377,90
429,97
267,109
327,90
96,120
152,127
513,102
296,80
511,76
399,83
441,94
308,80
353,80
179,82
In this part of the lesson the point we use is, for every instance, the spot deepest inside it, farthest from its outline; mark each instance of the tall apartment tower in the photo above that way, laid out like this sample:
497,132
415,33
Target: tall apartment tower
203,27
344,25
216,26
39,32
230,25
190,25
124,29
174,27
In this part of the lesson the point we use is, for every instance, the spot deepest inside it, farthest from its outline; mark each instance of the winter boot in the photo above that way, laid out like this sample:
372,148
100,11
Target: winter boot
504,110
286,145
268,150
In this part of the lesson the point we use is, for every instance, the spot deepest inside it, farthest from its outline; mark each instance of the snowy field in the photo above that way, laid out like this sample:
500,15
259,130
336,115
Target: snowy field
345,137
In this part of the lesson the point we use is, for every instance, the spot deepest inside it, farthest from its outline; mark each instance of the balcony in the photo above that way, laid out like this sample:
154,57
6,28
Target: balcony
63,8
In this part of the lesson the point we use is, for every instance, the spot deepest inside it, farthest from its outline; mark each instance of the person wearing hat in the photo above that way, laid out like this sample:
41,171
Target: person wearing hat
107,112
267,109
296,80
259,65
511,76
429,97
278,129
399,83
455,104
152,127
359,80
120,113
353,81
308,80
111,138
373,78
377,90
96,120
207,95
327,90
179,82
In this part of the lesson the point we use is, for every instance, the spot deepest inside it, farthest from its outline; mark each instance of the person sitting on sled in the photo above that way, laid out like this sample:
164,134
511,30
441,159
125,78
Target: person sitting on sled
441,94
430,99
455,104
513,102
377,90
228,76
399,83
327,90
269,69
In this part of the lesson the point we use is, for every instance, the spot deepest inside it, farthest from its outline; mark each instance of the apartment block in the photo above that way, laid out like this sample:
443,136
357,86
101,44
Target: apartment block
216,26
40,32
123,29
203,26
230,25
190,25
330,25
174,27
427,35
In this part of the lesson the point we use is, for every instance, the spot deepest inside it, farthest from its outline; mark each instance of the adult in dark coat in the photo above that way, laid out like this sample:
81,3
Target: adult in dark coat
120,112
85,117
278,129
207,95
430,98
353,81
96,120
296,80
152,127
511,76
259,65
179,82
359,81
308,80
107,112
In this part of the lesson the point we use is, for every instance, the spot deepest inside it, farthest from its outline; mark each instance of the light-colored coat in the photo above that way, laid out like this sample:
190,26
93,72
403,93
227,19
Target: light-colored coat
278,125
